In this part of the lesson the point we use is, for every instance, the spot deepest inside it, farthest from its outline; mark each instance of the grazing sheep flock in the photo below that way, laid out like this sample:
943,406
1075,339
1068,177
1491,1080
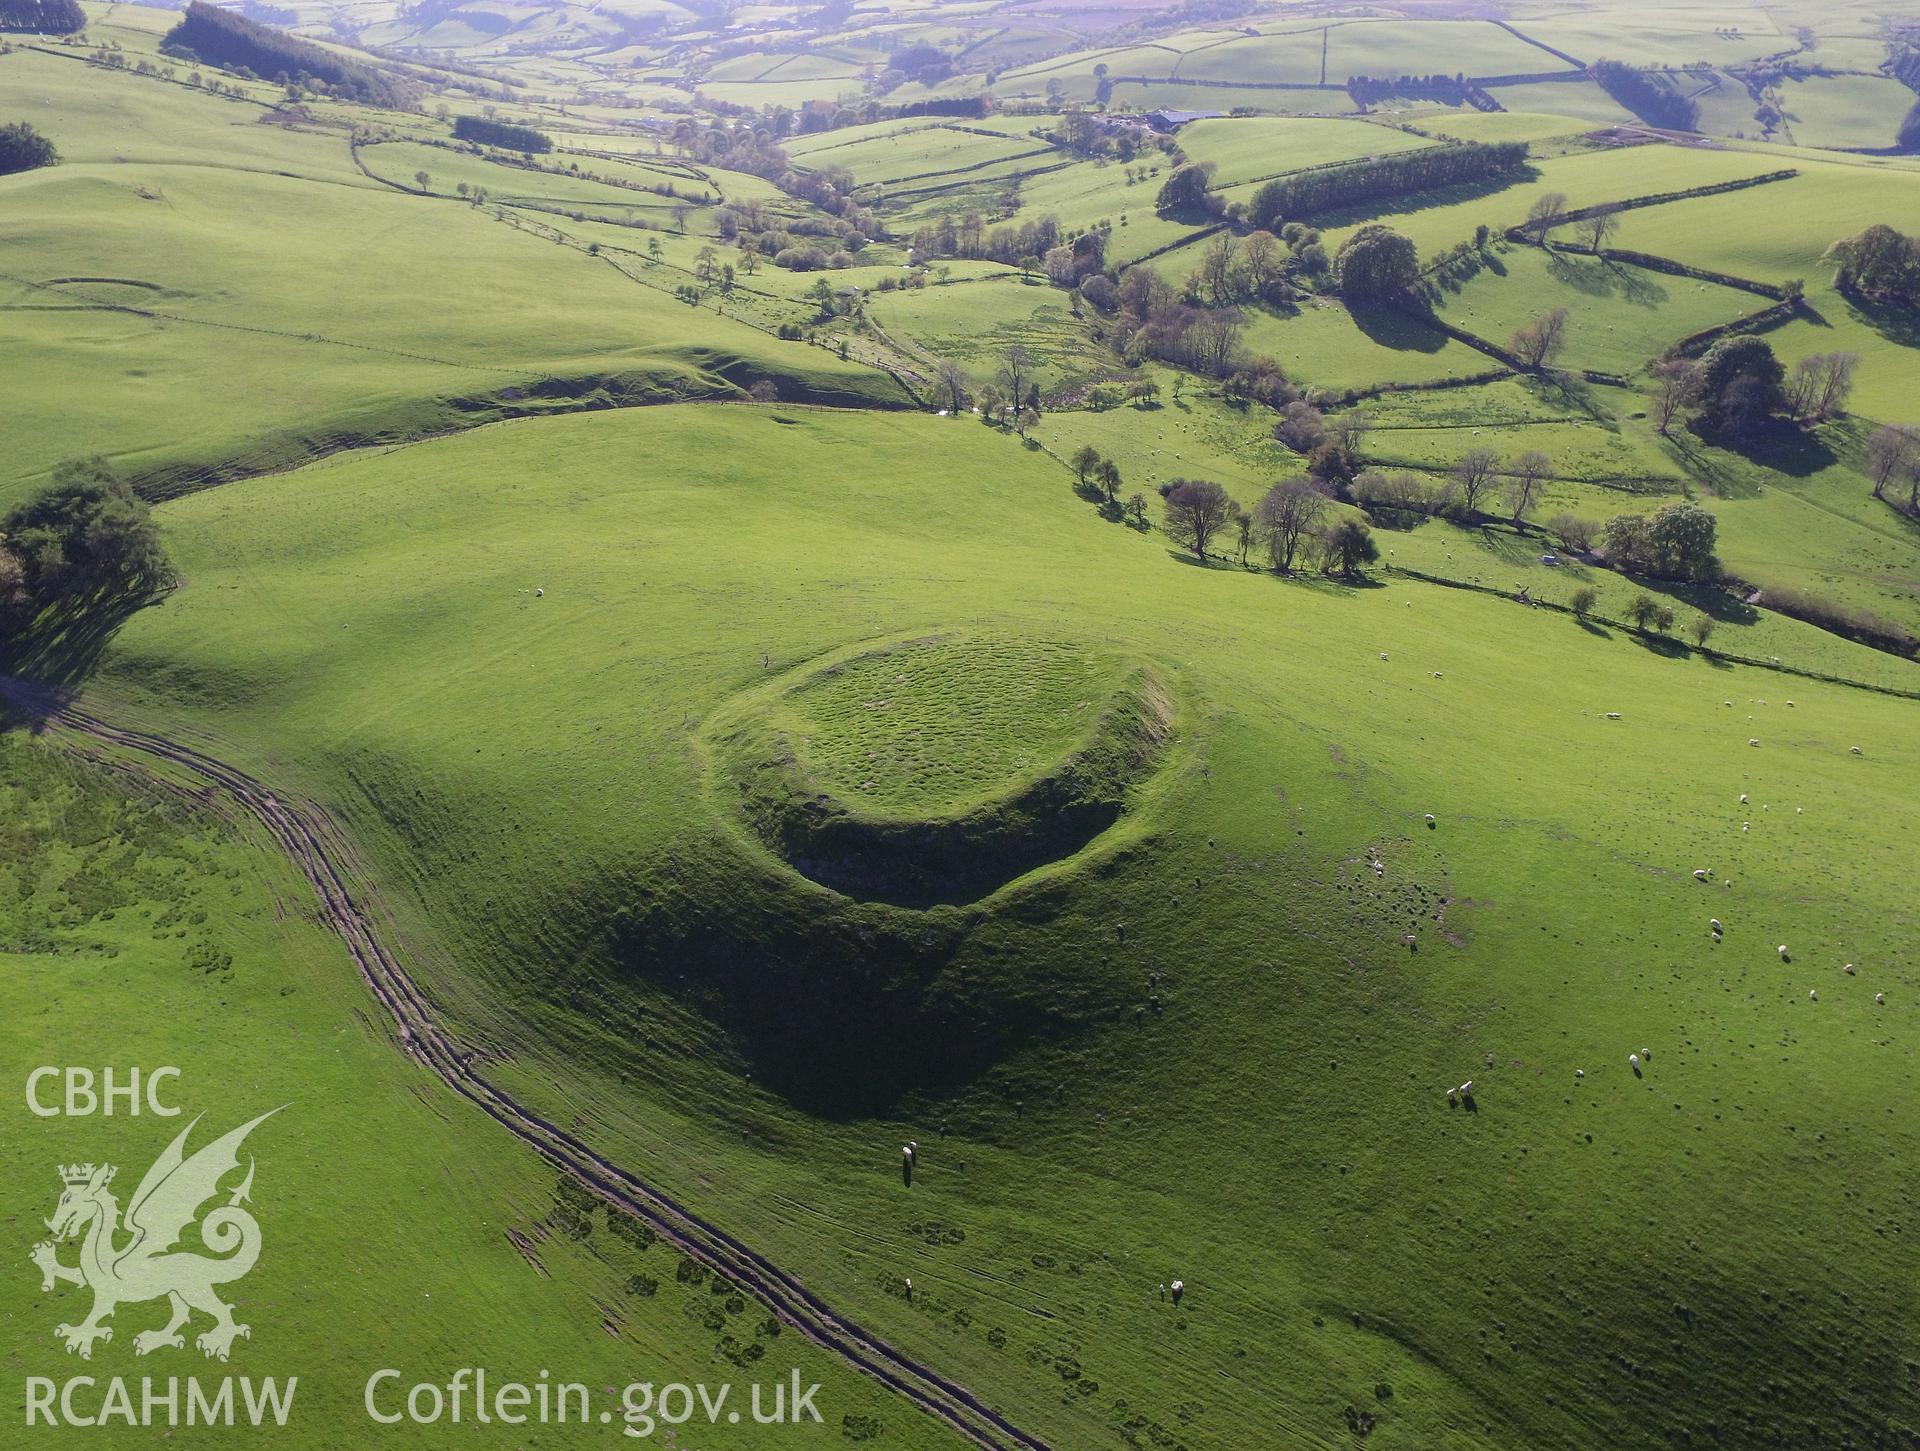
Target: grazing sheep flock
1636,1061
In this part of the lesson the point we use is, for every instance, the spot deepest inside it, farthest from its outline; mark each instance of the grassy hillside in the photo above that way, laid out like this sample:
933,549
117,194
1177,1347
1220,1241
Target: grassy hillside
164,298
540,755
132,919
757,787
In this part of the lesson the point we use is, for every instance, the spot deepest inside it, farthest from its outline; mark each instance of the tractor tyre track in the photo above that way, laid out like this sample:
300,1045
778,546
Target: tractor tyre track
427,1041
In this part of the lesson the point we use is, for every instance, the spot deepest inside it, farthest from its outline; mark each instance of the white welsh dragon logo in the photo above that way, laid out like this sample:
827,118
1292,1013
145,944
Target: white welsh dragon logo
167,1202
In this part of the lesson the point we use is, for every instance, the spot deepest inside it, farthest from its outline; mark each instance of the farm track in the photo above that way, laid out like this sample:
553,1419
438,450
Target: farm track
305,843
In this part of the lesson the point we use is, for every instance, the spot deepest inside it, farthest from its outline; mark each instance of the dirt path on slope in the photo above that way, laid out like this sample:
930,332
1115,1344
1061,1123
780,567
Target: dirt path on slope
294,827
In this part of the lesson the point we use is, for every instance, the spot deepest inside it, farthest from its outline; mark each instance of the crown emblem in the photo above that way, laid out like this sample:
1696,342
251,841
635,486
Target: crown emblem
76,1174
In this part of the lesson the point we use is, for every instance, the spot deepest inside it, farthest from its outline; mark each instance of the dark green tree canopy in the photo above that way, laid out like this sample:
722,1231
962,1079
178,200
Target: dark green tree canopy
22,149
1676,542
482,132
42,17
85,534
1376,263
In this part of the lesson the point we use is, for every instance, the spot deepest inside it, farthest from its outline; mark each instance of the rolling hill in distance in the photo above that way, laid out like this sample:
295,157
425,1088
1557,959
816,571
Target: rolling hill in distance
945,725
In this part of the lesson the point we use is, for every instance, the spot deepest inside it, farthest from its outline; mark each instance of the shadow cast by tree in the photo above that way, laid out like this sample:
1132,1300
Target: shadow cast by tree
1397,329
62,647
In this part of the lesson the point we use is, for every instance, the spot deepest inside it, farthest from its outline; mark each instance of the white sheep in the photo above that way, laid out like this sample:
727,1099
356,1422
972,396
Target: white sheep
1430,818
1880,998
1646,1055
1579,1073
1438,675
1383,654
1633,1060
1613,715
1813,994
1743,798
1753,740
1714,923
1464,1089
1848,969
1855,750
1700,874
539,594
1783,953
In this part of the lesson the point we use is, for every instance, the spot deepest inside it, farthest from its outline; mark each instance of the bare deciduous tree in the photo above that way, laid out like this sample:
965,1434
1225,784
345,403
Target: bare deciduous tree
1676,386
953,382
1541,340
1197,509
1547,215
1526,477
1893,454
1600,224
1290,512
1474,477
1819,385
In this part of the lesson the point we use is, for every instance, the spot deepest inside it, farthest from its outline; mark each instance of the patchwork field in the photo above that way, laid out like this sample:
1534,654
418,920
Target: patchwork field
789,769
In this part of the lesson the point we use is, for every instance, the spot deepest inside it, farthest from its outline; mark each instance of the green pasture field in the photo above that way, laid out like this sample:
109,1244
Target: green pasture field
784,66
973,323
793,94
1437,221
1659,35
399,162
1251,149
1089,1163
1509,125
1579,100
1080,196
201,370
1184,96
1727,109
1380,835
1621,316
927,152
1846,112
1326,345
1582,448
1779,232
1431,47
399,1226
1193,436
1289,56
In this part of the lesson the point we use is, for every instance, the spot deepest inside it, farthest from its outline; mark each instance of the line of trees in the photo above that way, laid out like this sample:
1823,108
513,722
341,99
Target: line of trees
479,131
43,17
22,149
1739,383
84,538
1653,100
1015,244
1293,523
1364,182
227,39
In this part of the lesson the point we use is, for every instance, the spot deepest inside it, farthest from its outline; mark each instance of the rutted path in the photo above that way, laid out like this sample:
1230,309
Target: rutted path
297,829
